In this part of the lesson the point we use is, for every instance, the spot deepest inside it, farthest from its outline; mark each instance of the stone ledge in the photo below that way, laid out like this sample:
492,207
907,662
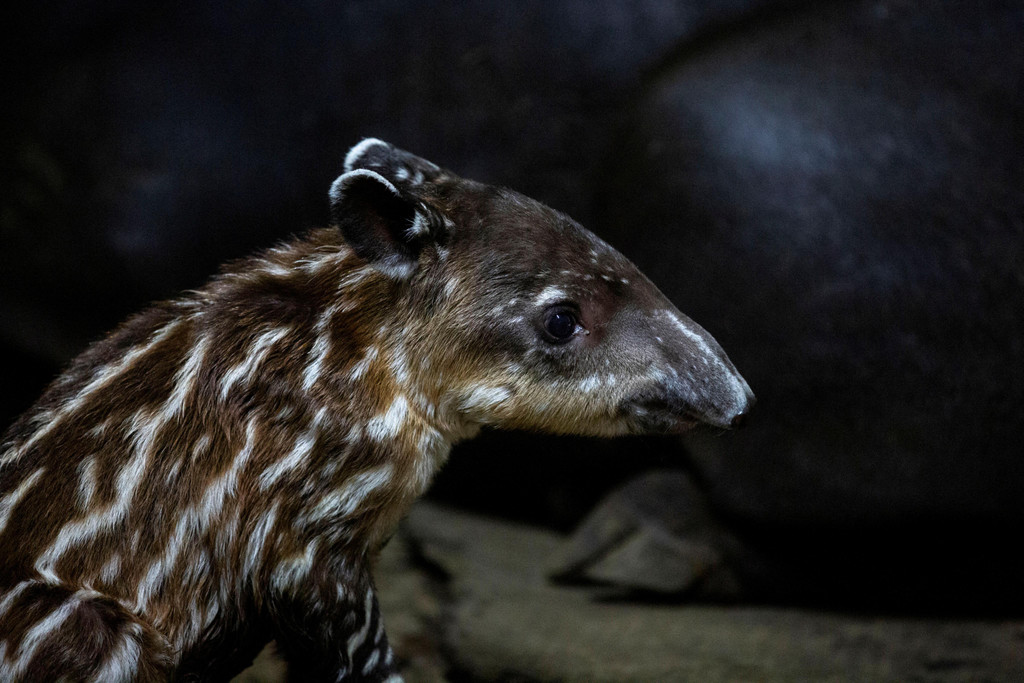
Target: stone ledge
504,621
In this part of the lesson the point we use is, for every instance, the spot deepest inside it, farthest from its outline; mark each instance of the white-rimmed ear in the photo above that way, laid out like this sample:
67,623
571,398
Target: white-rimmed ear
398,166
380,224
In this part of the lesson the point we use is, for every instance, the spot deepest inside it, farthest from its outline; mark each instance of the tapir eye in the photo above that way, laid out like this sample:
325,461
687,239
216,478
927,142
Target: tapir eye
560,324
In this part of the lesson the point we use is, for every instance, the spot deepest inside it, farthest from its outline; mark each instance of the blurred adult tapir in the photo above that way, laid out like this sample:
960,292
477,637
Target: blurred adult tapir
844,195
833,189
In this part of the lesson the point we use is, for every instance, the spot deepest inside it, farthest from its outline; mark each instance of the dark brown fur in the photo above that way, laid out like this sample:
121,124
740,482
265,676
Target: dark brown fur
217,472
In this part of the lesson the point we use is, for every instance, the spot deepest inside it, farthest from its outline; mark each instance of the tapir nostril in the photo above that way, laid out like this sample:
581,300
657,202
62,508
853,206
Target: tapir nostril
740,418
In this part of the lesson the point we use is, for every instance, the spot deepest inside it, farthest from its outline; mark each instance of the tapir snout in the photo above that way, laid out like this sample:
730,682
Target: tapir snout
691,380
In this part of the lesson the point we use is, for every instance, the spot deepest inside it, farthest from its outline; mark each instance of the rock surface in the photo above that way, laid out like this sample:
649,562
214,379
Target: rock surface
506,621
655,534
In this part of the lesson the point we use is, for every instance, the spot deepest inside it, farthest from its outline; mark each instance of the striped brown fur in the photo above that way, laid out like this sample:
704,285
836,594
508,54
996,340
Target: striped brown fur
217,471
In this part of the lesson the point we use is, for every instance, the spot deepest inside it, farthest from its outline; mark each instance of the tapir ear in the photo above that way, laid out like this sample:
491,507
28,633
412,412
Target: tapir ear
380,223
400,167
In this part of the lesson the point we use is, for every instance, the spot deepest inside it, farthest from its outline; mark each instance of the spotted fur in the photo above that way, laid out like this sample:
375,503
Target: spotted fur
217,471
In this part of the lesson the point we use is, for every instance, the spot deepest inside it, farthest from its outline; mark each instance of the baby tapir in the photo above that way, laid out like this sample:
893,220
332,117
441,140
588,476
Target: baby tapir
216,472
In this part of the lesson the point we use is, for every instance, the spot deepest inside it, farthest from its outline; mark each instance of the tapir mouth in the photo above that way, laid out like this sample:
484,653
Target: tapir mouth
657,412
651,416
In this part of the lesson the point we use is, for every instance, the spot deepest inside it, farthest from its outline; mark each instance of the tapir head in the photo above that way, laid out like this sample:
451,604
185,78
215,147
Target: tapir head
520,316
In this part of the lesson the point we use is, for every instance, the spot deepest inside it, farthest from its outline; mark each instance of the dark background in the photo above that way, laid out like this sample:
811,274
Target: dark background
832,189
